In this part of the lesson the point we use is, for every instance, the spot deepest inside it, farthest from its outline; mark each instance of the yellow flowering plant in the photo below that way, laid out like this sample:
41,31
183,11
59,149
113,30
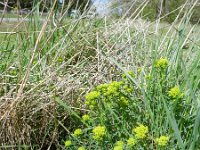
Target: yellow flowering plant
68,143
81,148
130,73
118,148
78,132
119,145
115,94
141,131
175,93
113,110
131,142
99,132
85,117
162,63
162,140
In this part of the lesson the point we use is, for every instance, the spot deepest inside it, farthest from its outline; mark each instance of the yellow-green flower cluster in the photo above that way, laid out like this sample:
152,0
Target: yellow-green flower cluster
119,145
91,98
118,148
99,132
92,95
110,89
60,59
78,132
68,143
131,142
113,88
175,92
113,93
162,141
127,89
85,118
123,101
102,88
162,63
129,73
140,131
81,148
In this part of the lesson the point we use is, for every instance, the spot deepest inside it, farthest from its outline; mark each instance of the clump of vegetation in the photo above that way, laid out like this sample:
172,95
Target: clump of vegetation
99,83
120,118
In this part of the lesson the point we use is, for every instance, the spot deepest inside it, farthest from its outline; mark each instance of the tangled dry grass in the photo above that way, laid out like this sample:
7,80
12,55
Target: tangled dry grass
69,60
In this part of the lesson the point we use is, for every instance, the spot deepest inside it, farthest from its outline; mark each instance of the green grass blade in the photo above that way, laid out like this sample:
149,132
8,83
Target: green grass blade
174,125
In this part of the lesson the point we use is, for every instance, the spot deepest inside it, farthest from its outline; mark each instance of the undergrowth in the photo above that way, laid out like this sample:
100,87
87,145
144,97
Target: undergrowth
100,83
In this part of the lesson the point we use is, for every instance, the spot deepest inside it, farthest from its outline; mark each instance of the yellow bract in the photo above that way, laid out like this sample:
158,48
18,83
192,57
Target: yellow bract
131,142
81,148
118,148
162,141
113,88
99,132
129,73
92,95
102,87
91,98
141,131
78,132
120,143
162,63
68,143
175,92
123,101
86,117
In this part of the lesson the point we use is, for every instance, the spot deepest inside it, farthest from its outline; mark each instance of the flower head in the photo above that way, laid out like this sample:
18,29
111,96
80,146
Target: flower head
120,143
118,148
140,131
113,88
162,63
91,98
175,92
123,101
131,142
78,132
99,132
81,148
102,87
86,117
162,141
91,107
68,143
128,89
130,73
92,95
